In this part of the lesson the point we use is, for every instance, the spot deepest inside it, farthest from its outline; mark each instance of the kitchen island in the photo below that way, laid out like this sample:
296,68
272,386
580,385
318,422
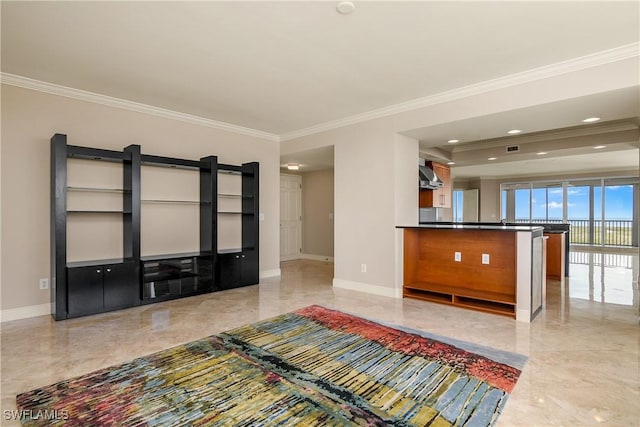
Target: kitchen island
491,268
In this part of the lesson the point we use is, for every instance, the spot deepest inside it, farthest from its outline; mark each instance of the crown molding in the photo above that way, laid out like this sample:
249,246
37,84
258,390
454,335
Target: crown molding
576,64
96,98
599,58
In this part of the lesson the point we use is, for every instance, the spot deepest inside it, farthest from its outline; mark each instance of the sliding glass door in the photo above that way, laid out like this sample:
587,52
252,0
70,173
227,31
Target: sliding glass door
600,211
617,226
546,203
580,212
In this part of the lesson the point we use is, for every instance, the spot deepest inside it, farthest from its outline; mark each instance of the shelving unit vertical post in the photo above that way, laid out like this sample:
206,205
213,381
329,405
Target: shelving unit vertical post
131,202
58,226
250,221
208,210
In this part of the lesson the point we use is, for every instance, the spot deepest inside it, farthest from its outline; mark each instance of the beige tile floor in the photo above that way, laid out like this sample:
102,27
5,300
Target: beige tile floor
584,349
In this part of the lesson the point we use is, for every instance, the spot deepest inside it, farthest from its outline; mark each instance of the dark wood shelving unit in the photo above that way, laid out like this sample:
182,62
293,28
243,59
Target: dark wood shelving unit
88,287
96,286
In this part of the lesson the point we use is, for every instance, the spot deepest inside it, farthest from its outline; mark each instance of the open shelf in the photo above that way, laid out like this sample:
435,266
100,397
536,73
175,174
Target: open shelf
96,189
88,211
489,302
486,306
168,201
235,196
175,277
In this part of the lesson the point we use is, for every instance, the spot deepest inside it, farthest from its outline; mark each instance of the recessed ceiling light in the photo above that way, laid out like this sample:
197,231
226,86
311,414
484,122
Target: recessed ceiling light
451,163
453,141
591,119
541,153
492,158
293,166
345,7
598,147
514,131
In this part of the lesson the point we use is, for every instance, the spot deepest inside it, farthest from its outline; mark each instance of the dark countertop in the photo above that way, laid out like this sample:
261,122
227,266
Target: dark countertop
448,226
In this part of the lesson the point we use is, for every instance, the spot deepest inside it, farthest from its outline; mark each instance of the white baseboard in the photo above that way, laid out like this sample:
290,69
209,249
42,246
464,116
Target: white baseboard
317,257
367,288
270,273
24,312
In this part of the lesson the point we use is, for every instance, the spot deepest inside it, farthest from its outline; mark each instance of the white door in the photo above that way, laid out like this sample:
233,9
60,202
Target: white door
290,217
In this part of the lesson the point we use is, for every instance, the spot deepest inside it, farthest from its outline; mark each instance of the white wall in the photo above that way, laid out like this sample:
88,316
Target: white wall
364,208
30,118
317,213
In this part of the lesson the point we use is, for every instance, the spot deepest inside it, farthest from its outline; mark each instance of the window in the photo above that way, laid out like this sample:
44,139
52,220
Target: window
600,211
458,205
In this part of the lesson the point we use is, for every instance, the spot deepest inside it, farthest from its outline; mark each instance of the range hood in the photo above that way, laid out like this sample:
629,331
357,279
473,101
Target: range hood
428,179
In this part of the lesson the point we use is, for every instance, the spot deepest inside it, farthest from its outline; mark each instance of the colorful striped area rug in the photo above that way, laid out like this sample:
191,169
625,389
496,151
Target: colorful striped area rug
312,367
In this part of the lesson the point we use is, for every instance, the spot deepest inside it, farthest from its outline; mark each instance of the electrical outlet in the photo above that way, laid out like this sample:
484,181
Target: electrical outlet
44,284
363,268
457,256
485,258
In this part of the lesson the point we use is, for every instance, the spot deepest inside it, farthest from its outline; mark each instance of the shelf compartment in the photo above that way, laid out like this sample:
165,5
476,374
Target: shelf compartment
168,278
429,295
488,302
163,276
96,199
466,292
486,306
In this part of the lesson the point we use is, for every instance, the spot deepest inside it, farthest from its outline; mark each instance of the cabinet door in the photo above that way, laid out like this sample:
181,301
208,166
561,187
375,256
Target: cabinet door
228,270
446,191
121,286
249,272
205,278
84,291
441,198
426,198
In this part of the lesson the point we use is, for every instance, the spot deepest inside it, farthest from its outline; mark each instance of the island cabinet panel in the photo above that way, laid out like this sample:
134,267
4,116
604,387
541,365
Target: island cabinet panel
555,255
432,273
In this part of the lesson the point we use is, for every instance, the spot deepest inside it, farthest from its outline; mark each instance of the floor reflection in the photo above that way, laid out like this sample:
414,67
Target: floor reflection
606,277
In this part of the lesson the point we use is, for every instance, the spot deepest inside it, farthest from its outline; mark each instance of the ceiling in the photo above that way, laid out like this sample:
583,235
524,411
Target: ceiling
543,127
282,67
